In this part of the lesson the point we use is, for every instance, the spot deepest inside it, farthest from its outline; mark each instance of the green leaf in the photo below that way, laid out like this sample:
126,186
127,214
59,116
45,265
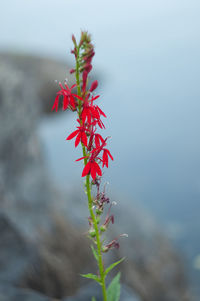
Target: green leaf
91,276
113,292
94,253
113,265
93,299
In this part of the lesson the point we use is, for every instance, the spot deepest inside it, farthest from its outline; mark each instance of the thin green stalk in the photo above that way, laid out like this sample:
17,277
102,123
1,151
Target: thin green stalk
88,190
98,240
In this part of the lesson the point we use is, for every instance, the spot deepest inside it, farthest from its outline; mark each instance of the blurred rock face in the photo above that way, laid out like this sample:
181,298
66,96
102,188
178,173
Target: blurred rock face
153,269
23,184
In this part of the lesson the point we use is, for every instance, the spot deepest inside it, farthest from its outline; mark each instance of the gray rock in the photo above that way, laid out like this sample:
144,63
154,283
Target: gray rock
93,290
15,253
11,293
153,267
25,190
44,72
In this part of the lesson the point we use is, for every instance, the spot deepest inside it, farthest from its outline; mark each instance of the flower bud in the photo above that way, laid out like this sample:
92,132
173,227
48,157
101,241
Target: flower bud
103,228
105,249
92,232
74,40
98,219
88,68
99,211
94,85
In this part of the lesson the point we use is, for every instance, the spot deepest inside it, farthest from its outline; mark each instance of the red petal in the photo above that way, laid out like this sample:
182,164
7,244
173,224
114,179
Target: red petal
55,105
78,138
111,157
81,158
72,135
78,97
101,112
94,98
105,159
83,115
68,89
73,86
72,102
97,140
93,171
100,124
61,86
94,112
84,138
89,116
86,169
101,138
97,168
65,102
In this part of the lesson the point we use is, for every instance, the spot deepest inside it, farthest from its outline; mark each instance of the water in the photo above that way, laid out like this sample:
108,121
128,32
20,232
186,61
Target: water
147,53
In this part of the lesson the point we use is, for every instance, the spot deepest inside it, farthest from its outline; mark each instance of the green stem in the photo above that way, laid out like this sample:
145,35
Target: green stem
88,189
98,240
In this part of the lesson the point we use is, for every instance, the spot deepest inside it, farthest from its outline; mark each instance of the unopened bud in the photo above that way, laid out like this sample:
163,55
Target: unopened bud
88,68
74,40
99,211
92,233
103,228
94,85
105,249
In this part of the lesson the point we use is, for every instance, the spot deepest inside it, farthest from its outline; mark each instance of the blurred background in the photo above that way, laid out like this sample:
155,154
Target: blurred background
147,63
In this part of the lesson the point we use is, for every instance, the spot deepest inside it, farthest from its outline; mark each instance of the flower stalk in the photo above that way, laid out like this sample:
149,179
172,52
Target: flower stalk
88,192
95,155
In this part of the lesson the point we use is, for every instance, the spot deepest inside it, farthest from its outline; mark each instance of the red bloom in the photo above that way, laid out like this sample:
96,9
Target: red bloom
106,153
97,139
92,168
89,112
95,152
81,135
68,99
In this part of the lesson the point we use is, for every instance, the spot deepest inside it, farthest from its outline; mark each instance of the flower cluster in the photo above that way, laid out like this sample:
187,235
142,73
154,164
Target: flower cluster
89,113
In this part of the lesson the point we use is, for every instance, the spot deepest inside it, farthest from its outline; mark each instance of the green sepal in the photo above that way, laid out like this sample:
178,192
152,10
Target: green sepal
113,265
91,276
94,253
93,299
113,292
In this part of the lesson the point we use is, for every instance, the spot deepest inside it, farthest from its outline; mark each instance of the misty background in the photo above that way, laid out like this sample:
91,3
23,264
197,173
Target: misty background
148,63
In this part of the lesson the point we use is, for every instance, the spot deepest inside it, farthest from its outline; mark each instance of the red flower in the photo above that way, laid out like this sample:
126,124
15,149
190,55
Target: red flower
95,152
68,99
89,111
81,135
97,138
106,153
92,168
